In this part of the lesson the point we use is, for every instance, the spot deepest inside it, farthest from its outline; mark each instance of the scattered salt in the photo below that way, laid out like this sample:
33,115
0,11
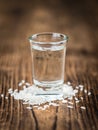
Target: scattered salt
75,91
40,108
77,87
6,97
89,93
82,107
23,81
16,90
70,103
20,84
53,104
10,92
24,87
25,103
32,95
70,106
29,108
35,106
77,101
81,89
68,91
68,83
81,86
85,91
46,106
2,95
10,89
64,101
76,98
70,98
27,84
81,98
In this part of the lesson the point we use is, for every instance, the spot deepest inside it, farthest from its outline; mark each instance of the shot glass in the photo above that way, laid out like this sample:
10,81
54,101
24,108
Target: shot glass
48,58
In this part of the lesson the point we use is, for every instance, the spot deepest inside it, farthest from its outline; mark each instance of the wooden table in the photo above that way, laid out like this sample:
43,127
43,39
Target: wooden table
18,20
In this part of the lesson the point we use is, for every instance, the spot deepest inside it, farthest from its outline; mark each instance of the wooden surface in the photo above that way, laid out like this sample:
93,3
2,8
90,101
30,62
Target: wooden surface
18,20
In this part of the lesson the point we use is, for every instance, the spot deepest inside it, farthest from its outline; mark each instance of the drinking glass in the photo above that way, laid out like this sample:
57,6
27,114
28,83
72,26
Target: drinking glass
48,58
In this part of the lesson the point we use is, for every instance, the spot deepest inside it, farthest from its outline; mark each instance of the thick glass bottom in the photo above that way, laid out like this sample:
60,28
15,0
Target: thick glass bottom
48,84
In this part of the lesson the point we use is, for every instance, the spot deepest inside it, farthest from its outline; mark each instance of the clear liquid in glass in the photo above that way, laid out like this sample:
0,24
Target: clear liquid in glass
48,65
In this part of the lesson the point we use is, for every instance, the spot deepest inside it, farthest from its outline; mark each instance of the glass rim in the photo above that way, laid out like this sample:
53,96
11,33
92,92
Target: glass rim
65,38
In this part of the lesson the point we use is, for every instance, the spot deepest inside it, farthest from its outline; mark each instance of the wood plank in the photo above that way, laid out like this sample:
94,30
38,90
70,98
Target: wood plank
18,21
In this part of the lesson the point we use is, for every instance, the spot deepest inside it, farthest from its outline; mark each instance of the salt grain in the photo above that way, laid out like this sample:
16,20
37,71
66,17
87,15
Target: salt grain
76,98
70,98
27,84
24,87
70,103
6,97
77,87
89,93
29,108
75,91
35,106
20,84
82,107
81,89
85,91
81,98
64,101
2,95
77,101
53,104
16,90
81,86
10,89
23,81
43,109
40,108
70,106
10,92
46,106
68,83
25,103
67,91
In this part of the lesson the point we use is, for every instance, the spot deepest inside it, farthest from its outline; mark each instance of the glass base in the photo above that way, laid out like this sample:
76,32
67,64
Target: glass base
48,84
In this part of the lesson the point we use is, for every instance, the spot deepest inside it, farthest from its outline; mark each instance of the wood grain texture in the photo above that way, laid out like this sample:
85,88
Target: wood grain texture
18,21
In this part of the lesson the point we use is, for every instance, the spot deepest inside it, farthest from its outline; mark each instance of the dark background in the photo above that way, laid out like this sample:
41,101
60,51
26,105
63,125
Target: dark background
78,19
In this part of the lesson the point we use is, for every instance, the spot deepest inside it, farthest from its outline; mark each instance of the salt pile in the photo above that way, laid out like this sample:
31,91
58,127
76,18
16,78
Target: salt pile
34,96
